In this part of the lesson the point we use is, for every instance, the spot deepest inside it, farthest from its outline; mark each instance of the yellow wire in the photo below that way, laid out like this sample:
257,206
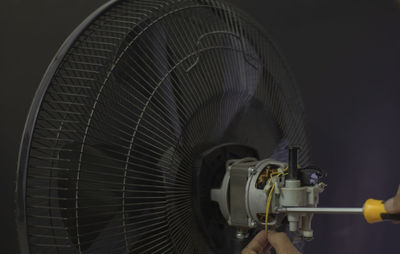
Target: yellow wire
270,196
267,208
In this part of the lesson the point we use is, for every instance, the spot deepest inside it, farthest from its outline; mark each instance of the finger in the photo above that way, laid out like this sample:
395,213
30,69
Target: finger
278,239
396,202
257,244
392,205
281,242
248,251
267,248
389,205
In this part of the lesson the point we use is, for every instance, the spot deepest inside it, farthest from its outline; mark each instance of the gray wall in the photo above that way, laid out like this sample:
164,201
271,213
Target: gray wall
345,56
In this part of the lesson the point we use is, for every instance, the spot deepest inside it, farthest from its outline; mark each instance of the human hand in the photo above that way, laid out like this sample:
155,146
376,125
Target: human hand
262,243
392,205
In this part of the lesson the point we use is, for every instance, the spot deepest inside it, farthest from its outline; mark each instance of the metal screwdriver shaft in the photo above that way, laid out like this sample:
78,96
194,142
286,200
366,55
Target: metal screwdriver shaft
322,210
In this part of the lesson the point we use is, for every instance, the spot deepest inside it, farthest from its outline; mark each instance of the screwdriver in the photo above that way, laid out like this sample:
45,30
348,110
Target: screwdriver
373,211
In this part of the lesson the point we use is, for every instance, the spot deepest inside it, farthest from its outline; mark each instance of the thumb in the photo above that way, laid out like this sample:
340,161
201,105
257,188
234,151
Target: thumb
281,243
392,205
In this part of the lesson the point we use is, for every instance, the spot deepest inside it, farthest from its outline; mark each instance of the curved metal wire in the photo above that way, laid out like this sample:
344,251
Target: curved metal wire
135,98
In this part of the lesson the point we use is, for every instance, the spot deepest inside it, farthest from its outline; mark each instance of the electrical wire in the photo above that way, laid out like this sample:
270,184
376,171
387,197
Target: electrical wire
278,174
267,208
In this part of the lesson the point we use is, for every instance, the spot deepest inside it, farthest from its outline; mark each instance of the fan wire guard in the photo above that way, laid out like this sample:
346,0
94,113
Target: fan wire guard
142,90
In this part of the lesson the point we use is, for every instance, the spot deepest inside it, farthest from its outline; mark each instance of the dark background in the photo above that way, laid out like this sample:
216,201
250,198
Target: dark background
345,56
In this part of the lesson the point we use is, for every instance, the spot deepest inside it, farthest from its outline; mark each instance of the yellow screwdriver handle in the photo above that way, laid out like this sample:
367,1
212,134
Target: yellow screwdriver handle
374,211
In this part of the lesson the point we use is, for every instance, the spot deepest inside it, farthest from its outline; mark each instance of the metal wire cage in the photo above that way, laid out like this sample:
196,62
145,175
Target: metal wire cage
134,95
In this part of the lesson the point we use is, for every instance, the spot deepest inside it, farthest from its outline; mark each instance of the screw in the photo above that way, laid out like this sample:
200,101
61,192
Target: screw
252,171
253,223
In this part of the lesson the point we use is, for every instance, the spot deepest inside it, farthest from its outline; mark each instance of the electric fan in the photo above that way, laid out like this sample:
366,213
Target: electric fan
136,120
